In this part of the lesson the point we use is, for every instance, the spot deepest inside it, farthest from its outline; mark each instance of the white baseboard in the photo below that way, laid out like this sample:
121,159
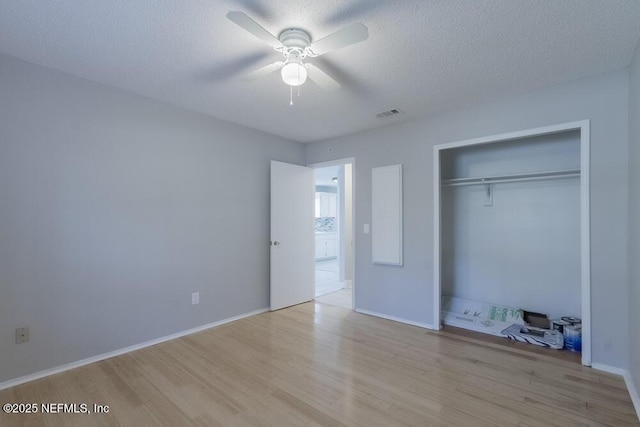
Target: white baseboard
628,380
608,368
633,392
93,359
395,319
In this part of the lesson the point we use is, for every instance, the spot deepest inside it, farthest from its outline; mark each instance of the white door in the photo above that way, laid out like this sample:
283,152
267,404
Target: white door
292,235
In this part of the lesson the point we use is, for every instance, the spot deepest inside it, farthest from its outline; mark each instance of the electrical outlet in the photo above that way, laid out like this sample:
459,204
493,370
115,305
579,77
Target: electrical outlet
22,335
195,298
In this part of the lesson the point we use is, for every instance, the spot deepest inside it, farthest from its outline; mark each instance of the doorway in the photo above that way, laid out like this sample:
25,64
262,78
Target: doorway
333,209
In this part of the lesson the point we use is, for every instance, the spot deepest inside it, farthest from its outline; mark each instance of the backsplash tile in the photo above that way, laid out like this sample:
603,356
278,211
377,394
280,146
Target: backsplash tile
326,224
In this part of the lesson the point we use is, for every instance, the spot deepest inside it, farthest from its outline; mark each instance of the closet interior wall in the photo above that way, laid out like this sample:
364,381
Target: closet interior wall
513,243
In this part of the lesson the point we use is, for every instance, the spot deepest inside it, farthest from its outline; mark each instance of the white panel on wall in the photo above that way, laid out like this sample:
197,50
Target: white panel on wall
386,219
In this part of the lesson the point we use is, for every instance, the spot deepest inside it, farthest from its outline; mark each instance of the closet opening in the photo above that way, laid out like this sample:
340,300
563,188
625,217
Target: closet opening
512,237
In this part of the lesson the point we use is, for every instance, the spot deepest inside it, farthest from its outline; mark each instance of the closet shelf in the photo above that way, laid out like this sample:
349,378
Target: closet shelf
535,176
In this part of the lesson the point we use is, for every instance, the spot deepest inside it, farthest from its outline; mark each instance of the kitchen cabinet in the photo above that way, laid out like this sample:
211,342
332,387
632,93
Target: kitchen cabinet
326,205
326,246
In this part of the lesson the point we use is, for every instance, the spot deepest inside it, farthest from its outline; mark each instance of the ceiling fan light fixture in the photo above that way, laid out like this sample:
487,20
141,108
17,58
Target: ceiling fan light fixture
294,73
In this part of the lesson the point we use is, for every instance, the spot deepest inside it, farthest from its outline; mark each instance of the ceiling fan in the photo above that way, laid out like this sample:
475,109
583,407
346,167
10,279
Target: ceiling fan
296,45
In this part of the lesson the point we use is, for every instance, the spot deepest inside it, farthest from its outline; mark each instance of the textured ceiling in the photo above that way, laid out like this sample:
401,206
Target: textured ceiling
421,56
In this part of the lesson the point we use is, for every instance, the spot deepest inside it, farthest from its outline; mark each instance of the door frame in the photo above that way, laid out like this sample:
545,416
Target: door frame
342,162
585,247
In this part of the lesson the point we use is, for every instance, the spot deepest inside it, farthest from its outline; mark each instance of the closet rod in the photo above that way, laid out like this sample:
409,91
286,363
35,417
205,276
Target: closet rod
569,173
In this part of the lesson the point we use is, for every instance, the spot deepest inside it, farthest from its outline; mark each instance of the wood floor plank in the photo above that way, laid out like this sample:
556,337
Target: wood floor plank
323,365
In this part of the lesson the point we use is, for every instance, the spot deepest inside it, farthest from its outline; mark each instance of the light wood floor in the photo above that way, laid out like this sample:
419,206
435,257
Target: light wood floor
480,338
322,365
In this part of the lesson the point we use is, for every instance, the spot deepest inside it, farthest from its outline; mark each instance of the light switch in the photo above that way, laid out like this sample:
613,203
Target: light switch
366,229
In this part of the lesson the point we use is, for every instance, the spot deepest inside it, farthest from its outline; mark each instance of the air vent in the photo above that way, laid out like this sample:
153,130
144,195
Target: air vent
388,113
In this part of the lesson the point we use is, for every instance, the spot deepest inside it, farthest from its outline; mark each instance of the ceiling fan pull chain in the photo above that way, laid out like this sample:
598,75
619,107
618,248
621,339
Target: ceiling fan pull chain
290,95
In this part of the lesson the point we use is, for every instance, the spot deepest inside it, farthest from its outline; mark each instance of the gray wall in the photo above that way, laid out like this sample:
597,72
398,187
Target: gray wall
113,209
634,216
406,292
523,250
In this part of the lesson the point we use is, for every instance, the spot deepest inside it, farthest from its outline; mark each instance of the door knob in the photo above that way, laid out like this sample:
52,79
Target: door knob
274,243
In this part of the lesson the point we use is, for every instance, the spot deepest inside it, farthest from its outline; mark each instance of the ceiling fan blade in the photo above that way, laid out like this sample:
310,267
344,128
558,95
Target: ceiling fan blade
354,33
321,78
263,71
349,12
257,8
254,28
234,67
